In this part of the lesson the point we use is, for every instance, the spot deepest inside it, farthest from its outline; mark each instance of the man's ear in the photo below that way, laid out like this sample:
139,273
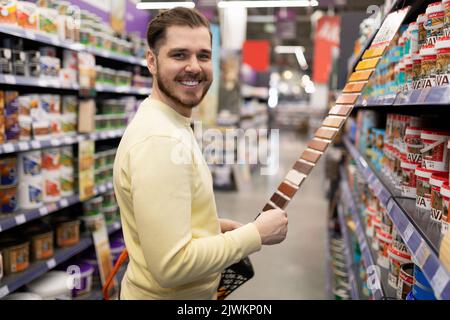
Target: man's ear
151,62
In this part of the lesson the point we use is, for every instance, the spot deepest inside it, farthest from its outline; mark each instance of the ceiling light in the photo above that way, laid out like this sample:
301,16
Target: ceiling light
268,4
297,50
164,5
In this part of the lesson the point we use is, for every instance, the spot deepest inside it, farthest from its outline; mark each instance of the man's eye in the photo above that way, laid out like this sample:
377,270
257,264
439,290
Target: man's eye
204,57
179,56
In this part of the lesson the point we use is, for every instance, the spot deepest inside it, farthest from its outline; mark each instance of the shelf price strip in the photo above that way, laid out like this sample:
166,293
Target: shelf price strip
422,254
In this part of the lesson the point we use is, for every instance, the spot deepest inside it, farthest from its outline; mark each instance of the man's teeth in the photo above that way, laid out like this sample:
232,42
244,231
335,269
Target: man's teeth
190,83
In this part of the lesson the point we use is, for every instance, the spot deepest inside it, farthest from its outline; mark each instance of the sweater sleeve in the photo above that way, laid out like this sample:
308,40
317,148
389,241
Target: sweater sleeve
162,194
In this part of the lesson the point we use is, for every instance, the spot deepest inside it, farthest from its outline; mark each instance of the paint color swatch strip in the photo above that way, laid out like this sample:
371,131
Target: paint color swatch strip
347,98
360,75
367,64
334,121
374,52
354,87
318,144
331,125
287,189
341,110
311,156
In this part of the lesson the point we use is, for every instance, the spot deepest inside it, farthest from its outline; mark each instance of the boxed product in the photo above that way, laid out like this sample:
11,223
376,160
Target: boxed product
27,14
8,9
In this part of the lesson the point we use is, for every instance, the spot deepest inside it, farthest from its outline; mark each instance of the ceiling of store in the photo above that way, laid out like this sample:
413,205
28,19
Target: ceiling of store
304,37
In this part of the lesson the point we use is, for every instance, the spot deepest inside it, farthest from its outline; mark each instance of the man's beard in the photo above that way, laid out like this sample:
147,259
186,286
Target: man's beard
164,88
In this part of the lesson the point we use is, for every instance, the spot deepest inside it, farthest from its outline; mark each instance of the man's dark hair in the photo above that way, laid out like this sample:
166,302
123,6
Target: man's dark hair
179,16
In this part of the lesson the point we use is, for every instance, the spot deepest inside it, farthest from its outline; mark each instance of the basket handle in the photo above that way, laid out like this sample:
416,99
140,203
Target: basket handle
122,258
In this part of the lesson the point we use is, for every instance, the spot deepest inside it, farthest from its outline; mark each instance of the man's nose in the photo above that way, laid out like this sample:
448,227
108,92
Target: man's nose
193,65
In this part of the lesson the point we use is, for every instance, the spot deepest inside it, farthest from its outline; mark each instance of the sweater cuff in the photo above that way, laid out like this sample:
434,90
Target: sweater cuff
249,238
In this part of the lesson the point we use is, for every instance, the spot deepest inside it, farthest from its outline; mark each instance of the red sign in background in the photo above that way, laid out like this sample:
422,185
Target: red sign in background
327,37
256,53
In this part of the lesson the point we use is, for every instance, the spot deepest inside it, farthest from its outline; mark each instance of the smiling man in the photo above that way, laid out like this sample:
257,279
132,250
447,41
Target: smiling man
177,245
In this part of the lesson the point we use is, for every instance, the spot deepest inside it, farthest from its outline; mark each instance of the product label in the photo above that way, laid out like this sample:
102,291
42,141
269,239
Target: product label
34,194
443,80
19,260
423,203
428,83
31,165
408,192
436,158
44,248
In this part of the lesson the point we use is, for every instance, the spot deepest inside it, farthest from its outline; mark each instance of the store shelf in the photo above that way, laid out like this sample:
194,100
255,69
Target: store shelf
35,270
354,291
34,82
123,90
54,40
11,147
435,96
368,259
24,216
416,231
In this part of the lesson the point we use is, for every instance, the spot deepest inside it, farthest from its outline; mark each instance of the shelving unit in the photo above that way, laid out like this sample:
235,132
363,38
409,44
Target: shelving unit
11,147
24,216
37,269
414,230
354,290
377,287
53,40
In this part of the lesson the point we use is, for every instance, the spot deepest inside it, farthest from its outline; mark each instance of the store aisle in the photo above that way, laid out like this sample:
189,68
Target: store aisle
294,269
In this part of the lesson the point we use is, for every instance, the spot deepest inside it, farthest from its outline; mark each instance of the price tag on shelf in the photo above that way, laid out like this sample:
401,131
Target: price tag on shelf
24,146
51,263
35,144
408,232
55,142
55,41
10,79
42,83
68,140
117,225
30,34
103,135
111,134
20,219
52,207
8,147
439,281
63,203
421,255
106,53
102,188
110,185
43,211
4,291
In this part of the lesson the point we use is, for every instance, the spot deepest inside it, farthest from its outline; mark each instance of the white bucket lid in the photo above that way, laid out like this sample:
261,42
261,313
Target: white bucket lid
51,285
434,7
23,296
428,50
445,190
443,43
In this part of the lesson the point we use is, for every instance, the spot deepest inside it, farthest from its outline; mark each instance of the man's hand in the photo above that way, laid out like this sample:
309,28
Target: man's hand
272,226
229,225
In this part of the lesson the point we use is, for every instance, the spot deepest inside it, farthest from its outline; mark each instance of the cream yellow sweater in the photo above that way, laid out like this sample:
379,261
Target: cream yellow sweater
170,225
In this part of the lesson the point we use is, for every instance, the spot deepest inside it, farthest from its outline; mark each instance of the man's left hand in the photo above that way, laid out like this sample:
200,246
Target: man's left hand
229,225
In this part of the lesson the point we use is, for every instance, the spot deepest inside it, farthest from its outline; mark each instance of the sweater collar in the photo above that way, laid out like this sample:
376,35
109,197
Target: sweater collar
169,112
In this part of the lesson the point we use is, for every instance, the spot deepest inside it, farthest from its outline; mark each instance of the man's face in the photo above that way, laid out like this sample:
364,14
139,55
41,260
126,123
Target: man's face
183,65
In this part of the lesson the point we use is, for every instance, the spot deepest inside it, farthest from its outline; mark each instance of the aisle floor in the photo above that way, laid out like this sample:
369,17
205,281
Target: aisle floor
296,268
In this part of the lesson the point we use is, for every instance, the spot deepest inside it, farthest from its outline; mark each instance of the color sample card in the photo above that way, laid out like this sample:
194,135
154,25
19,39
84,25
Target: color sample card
287,189
326,133
279,201
267,207
303,167
354,87
374,52
295,177
367,64
341,110
334,121
311,156
360,75
347,98
317,144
